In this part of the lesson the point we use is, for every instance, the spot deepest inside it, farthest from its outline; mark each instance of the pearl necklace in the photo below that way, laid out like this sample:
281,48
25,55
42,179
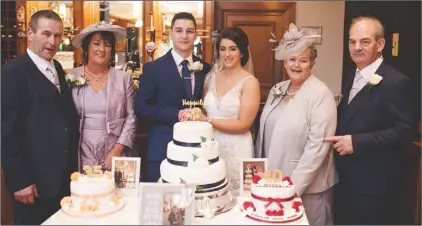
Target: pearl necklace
290,94
97,77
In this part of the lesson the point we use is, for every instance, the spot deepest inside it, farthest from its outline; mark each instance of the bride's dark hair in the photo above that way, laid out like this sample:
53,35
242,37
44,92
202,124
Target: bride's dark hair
239,37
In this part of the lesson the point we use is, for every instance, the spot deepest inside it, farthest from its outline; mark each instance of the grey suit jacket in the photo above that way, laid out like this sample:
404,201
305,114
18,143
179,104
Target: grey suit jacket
120,115
297,146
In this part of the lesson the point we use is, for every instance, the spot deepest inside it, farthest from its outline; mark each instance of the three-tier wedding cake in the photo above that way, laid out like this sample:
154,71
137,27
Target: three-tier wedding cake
193,158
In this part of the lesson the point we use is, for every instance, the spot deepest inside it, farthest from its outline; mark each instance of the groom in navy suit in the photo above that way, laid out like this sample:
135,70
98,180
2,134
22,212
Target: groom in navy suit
376,121
164,84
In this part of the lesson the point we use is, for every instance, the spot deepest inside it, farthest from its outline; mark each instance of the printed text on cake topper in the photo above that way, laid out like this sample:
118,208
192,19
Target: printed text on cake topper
194,110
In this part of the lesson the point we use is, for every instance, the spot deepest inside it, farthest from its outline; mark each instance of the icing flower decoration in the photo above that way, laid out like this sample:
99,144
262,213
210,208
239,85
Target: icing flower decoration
195,67
249,206
375,79
287,179
274,212
297,205
256,179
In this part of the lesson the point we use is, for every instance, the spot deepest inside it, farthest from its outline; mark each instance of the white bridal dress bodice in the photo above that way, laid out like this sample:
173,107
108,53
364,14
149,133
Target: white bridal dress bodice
233,147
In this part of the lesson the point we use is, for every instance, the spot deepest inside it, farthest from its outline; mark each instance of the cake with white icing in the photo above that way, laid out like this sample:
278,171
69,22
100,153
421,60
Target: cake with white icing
92,195
273,200
248,178
193,158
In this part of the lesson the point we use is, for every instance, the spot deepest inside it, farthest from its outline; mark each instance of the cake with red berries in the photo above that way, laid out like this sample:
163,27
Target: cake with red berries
273,200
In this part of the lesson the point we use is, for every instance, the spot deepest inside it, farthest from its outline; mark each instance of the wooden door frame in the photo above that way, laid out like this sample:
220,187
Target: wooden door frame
288,9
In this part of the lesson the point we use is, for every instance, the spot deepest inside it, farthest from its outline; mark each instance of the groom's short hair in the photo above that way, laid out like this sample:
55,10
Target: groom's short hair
183,16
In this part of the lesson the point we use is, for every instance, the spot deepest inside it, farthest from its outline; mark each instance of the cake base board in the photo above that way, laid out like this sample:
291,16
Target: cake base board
274,220
94,214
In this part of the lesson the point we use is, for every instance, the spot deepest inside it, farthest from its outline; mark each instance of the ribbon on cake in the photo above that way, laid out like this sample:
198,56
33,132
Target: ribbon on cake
186,144
270,200
206,186
182,163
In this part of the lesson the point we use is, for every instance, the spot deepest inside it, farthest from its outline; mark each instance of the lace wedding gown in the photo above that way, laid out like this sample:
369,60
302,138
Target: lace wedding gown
233,147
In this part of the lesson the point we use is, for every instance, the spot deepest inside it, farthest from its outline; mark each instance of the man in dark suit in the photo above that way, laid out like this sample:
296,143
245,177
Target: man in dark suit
164,84
39,130
375,122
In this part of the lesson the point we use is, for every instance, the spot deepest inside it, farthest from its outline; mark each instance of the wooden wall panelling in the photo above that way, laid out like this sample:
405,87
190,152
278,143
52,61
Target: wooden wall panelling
258,20
6,203
147,8
208,24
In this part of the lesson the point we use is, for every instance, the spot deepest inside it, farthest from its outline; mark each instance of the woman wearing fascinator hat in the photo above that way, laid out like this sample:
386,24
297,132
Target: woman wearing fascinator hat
231,100
104,98
297,116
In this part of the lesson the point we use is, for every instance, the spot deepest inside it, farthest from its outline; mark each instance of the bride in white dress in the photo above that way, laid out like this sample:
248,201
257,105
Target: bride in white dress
231,101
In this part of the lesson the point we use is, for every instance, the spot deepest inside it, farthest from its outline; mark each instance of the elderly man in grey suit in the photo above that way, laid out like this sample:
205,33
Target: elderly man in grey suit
297,116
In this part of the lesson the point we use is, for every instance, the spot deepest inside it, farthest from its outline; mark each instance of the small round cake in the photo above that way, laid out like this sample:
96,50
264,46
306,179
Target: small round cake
92,195
273,201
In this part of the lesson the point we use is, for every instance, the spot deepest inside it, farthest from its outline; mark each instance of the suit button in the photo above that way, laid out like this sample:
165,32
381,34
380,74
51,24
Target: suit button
65,150
65,129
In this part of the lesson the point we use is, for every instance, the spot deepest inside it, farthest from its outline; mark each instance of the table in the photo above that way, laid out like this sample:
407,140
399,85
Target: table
128,216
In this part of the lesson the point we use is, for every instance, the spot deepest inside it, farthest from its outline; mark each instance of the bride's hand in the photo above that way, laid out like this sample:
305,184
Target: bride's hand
202,117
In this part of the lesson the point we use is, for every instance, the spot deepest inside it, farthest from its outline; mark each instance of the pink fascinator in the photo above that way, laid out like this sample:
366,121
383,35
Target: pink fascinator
294,41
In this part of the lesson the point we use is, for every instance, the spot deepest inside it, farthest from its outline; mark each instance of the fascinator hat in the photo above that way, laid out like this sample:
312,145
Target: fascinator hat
118,32
294,41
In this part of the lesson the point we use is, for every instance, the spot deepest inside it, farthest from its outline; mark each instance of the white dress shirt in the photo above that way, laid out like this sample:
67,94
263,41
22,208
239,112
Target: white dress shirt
178,59
363,76
46,67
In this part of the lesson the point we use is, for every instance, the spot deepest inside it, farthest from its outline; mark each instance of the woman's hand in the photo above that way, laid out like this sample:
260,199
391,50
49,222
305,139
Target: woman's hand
115,152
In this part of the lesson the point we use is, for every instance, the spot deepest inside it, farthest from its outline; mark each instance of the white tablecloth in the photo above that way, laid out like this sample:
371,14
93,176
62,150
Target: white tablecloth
129,215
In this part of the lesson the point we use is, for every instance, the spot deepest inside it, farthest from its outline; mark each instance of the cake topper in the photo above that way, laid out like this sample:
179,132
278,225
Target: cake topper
194,110
94,171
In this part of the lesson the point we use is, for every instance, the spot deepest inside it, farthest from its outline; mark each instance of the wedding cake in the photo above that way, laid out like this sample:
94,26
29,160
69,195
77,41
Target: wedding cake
273,200
248,177
193,158
92,194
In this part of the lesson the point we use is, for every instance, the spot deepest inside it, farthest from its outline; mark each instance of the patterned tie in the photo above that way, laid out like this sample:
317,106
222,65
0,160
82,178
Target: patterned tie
356,86
53,78
187,80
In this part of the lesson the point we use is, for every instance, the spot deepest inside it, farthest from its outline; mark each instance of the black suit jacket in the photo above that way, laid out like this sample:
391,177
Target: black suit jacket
39,131
381,120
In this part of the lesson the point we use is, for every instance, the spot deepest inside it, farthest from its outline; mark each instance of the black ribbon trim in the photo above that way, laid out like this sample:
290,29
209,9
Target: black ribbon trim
185,144
206,186
182,163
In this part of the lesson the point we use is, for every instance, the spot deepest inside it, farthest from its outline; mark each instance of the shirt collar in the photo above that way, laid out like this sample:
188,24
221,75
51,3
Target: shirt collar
40,62
369,70
178,59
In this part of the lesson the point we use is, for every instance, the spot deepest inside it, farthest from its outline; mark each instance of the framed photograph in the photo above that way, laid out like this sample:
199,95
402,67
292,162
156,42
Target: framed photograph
318,31
126,172
163,204
248,169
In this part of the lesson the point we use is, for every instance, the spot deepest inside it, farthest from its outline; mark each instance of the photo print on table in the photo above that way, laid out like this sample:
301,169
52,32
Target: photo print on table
126,172
248,169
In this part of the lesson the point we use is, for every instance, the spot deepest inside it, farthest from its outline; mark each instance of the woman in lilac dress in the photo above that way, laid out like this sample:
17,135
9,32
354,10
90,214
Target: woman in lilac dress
105,102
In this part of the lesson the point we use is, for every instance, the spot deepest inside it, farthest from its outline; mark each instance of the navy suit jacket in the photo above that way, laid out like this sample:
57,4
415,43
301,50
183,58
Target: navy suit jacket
160,98
381,119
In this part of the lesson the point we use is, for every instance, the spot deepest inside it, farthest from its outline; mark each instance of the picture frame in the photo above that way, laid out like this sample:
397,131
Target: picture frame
247,171
126,172
318,31
161,204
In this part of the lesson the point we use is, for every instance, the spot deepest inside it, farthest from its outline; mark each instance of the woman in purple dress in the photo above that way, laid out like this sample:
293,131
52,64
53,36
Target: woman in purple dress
105,102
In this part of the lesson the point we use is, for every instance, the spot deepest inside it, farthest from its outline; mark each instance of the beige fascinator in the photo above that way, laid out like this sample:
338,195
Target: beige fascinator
118,31
294,41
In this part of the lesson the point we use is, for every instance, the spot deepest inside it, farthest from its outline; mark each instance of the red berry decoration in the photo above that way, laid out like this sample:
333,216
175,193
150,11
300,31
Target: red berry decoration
256,179
268,213
286,178
274,213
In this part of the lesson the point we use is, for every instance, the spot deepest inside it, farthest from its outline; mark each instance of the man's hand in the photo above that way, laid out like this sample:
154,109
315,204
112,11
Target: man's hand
115,152
183,115
342,144
26,195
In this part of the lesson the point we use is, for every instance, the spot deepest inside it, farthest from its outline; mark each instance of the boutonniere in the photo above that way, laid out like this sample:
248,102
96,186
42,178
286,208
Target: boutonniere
195,67
73,81
374,80
277,92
